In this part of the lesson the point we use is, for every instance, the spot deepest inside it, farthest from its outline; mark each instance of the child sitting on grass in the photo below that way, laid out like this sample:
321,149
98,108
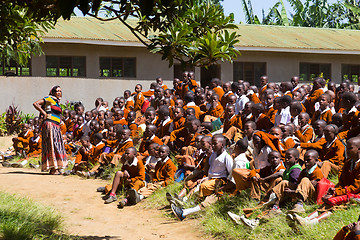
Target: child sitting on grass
131,177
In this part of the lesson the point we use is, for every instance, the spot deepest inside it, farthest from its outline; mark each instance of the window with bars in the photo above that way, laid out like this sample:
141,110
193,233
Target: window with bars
309,71
117,67
249,71
350,72
64,66
14,69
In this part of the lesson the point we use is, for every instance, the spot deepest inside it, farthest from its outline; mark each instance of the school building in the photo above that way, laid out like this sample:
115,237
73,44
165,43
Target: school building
89,58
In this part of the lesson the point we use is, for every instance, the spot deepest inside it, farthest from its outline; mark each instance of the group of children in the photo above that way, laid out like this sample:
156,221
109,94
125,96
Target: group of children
279,141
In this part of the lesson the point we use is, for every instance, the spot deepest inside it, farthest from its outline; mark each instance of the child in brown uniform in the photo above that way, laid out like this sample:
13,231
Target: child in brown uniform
131,176
21,143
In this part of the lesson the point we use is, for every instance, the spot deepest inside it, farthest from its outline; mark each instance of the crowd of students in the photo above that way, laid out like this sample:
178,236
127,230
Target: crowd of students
280,141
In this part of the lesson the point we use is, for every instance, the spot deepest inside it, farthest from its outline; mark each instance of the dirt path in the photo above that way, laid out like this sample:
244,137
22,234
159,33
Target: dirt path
85,213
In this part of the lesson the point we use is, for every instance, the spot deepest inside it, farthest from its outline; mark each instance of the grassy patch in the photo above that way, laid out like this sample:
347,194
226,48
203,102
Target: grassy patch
216,222
21,218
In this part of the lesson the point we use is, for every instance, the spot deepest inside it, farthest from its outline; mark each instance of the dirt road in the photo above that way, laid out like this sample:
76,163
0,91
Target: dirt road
85,213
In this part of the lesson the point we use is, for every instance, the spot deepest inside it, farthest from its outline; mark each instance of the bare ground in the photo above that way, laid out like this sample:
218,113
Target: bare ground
84,212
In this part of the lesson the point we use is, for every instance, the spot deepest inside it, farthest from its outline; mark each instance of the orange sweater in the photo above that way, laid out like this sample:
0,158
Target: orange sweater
145,143
218,111
136,172
234,121
326,116
348,178
345,234
311,100
305,134
139,101
219,91
165,172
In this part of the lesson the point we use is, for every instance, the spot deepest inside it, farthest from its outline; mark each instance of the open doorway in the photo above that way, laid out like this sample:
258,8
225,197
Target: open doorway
214,71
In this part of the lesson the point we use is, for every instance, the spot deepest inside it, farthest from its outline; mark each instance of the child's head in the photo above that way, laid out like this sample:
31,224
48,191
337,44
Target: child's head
248,107
150,115
164,152
310,158
159,81
218,143
153,149
121,102
94,113
101,115
324,101
297,96
258,142
94,126
229,111
131,116
88,116
337,119
36,131
286,131
189,97
79,108
285,86
274,158
108,114
294,81
150,130
295,108
97,138
303,119
276,132
30,121
85,141
319,126
116,104
198,91
214,100
138,88
249,129
263,80
108,123
317,83
36,121
179,103
277,105
348,100
118,114
331,86
123,134
353,148
269,99
291,157
240,90
231,99
72,114
198,141
127,94
206,144
178,113
66,113
257,109
101,124
285,101
209,93
201,99
190,112
130,154
214,83
75,119
227,87
330,132
80,120
159,93
193,126
241,146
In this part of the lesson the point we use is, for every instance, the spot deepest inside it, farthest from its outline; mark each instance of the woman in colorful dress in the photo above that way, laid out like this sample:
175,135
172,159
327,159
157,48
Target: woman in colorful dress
53,156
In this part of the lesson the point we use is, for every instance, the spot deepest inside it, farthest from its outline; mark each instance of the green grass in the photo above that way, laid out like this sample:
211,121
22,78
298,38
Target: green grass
215,221
21,218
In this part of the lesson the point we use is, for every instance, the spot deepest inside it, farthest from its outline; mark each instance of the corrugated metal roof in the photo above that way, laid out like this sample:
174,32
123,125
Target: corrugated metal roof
252,36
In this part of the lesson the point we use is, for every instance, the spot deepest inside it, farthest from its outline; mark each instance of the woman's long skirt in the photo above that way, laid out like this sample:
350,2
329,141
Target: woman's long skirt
53,151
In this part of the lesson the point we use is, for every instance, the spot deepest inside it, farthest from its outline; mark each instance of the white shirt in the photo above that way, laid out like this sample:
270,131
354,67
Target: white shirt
241,161
151,159
240,103
284,117
220,166
261,158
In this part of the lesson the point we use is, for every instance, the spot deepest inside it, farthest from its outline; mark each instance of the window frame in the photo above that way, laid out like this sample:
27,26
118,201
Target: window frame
349,73
19,69
58,66
122,66
309,74
255,81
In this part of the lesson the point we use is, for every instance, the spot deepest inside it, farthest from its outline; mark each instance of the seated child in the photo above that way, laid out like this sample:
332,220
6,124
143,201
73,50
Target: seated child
148,138
21,142
35,143
304,132
304,189
262,179
164,175
219,174
324,111
349,232
131,177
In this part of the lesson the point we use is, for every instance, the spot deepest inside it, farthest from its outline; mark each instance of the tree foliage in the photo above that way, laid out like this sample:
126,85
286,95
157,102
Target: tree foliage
194,32
309,13
20,30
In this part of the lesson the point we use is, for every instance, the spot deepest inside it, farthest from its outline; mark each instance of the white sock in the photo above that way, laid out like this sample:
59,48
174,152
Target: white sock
141,197
185,199
191,210
197,188
272,198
